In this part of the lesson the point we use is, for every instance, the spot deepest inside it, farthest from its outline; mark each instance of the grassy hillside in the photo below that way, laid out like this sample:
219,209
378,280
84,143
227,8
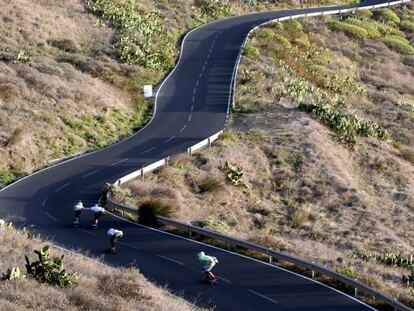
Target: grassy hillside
71,74
319,159
100,287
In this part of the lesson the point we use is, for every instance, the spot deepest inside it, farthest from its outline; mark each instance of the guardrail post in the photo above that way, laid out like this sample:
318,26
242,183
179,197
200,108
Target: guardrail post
313,274
355,292
142,174
270,259
189,150
190,234
167,160
209,142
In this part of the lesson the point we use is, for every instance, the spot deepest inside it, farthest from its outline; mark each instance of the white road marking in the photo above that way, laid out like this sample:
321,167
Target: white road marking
208,56
128,245
172,260
193,99
119,162
195,90
192,108
86,231
263,296
223,279
91,173
44,201
189,118
169,139
183,128
198,81
205,63
51,217
64,186
148,150
204,68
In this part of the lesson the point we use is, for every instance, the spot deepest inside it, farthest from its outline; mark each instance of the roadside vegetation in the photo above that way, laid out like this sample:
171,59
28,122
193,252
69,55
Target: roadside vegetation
85,285
71,74
319,158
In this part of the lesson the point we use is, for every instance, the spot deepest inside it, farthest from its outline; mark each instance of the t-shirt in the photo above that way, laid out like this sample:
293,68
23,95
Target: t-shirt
113,231
78,206
97,209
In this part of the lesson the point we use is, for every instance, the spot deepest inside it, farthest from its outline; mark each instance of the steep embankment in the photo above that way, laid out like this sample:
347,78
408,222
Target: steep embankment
322,132
100,287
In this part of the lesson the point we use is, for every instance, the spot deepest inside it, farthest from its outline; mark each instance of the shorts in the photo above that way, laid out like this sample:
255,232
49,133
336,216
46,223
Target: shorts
77,213
97,215
209,267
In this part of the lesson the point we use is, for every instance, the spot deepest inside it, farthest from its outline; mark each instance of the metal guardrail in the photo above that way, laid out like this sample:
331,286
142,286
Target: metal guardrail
272,254
153,166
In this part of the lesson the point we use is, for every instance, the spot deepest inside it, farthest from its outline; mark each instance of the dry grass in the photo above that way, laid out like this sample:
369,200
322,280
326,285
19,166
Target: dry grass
310,195
100,287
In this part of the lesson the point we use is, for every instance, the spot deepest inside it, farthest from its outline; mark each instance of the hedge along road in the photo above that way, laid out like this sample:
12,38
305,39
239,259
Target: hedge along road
191,105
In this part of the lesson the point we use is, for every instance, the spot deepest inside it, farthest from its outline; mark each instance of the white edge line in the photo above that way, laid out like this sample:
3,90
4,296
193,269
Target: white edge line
189,118
172,260
129,245
183,128
223,279
44,201
263,296
91,173
63,187
148,150
163,82
246,257
169,139
119,162
51,217
86,231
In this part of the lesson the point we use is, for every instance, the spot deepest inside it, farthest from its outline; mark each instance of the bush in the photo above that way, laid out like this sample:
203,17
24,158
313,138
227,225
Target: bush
407,26
151,208
298,218
213,8
349,29
50,270
387,16
370,28
66,45
250,51
265,33
210,184
398,44
348,271
228,135
212,224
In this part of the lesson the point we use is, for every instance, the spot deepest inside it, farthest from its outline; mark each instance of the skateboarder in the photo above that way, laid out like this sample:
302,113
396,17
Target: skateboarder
97,214
114,236
208,263
78,210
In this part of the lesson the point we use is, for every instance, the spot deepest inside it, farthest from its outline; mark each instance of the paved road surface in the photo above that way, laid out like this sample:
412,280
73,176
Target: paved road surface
192,104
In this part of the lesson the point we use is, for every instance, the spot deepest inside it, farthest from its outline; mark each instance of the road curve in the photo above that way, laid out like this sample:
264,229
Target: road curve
191,104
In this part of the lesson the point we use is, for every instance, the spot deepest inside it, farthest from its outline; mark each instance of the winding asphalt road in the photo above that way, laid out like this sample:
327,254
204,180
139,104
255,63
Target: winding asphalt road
192,104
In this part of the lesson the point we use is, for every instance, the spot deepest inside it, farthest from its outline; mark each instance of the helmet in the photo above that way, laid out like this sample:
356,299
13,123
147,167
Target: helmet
200,255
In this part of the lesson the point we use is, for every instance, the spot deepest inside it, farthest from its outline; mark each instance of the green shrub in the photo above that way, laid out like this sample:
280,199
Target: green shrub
265,33
407,26
49,270
348,271
213,8
363,13
387,16
370,28
398,44
281,40
150,208
143,38
349,29
210,184
11,274
298,218
228,135
250,51
212,224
